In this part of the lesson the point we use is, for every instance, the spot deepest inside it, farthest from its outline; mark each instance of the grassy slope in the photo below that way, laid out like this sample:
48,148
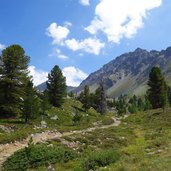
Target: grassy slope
143,139
151,147
64,123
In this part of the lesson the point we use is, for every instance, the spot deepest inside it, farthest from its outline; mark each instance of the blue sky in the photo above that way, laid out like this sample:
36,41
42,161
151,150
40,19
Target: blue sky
82,35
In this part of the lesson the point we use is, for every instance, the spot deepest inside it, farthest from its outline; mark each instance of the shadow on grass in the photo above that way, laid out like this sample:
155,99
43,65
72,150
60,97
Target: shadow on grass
11,121
77,108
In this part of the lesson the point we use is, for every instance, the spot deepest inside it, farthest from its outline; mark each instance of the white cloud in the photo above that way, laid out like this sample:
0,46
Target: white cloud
85,2
58,33
74,76
67,24
119,19
2,46
57,53
38,75
63,57
89,45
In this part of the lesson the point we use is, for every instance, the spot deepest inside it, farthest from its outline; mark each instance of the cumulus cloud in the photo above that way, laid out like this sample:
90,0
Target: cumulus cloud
57,53
119,19
39,76
2,46
58,33
85,2
89,45
73,75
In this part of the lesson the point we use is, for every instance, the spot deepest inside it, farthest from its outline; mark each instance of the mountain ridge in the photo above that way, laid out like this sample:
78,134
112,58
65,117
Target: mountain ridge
128,73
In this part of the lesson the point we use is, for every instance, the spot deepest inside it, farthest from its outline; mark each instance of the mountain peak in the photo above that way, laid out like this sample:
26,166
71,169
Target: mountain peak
139,50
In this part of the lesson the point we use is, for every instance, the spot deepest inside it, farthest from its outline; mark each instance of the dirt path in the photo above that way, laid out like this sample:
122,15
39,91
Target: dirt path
8,149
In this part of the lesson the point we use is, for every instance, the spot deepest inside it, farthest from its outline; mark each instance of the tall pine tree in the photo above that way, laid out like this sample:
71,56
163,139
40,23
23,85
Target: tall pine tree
13,78
85,98
100,99
56,87
157,92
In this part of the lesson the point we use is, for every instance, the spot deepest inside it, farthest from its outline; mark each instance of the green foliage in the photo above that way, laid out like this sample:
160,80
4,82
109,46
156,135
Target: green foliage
96,100
147,104
71,94
111,103
132,108
56,87
32,103
13,71
100,159
157,92
133,104
100,99
121,105
76,118
84,98
37,155
107,121
45,105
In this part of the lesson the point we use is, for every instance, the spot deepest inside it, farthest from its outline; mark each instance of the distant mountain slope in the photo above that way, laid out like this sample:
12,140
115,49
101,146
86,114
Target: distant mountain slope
128,73
42,87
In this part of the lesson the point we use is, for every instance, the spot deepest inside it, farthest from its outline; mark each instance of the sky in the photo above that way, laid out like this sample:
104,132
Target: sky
80,36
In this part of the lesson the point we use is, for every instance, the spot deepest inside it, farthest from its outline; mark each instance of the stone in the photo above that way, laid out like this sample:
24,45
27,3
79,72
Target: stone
6,129
56,139
43,124
54,117
159,151
50,145
50,168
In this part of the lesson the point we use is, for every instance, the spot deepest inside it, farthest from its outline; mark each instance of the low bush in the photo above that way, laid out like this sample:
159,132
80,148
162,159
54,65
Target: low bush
37,155
100,159
107,121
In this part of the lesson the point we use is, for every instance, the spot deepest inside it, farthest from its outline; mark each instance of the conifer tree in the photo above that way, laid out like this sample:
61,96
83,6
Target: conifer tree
13,79
86,98
100,99
157,92
121,105
45,105
140,104
56,87
32,103
147,104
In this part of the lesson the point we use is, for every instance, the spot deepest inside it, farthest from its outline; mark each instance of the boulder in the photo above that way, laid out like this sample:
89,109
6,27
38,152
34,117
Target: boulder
54,117
43,124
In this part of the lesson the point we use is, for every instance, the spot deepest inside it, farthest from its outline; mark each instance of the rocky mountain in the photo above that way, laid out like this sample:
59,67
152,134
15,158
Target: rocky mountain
128,73
42,87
